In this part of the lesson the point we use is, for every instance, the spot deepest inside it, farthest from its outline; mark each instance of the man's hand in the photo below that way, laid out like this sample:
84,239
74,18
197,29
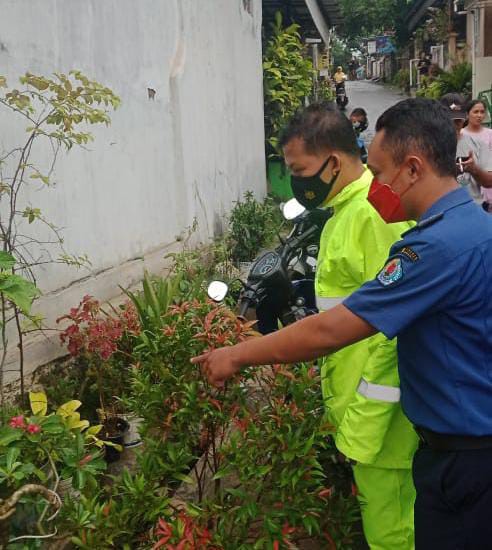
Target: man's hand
482,177
314,336
218,365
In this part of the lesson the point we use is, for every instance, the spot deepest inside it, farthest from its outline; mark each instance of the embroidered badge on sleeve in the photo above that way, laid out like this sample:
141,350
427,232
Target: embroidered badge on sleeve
391,272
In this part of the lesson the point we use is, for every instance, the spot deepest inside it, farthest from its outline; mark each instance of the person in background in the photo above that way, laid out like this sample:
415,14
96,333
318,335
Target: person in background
358,118
360,71
352,67
339,77
423,64
476,111
473,158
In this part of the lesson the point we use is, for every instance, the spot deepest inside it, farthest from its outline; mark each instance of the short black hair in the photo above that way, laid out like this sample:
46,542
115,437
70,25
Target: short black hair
471,104
423,125
359,111
321,126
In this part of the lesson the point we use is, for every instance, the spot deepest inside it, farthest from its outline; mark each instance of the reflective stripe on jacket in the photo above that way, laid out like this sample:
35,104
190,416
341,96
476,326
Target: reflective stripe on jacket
360,383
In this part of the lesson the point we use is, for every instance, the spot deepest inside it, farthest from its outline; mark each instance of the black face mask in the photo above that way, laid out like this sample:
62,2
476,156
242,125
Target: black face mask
359,127
312,191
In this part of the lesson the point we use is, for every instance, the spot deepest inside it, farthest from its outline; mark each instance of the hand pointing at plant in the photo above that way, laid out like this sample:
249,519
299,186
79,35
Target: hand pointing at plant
313,337
218,365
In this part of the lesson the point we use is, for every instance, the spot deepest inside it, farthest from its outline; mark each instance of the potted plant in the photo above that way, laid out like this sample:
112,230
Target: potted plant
103,340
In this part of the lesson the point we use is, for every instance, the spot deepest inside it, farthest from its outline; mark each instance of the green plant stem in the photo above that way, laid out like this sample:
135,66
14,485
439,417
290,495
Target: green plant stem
55,488
4,354
100,389
21,353
13,191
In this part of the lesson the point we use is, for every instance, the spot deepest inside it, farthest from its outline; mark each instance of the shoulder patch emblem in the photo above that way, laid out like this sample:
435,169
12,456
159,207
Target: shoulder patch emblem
391,272
409,253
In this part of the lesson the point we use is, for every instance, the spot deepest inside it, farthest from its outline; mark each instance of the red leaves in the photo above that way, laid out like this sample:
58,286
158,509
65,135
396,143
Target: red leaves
331,542
217,404
182,534
287,530
169,331
164,531
242,424
326,493
85,460
92,331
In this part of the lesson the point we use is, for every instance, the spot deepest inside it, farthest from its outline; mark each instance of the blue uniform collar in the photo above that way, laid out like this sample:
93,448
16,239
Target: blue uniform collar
452,199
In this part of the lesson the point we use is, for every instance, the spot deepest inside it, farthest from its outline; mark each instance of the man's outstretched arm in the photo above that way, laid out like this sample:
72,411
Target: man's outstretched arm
305,340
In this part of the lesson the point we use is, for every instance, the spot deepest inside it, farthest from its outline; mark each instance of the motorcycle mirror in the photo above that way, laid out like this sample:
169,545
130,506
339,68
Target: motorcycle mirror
217,291
292,209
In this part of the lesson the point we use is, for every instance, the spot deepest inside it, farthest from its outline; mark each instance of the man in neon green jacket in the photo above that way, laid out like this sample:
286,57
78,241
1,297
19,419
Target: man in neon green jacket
362,402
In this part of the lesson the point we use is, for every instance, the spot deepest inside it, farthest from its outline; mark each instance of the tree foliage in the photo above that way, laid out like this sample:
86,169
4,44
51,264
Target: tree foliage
287,78
362,18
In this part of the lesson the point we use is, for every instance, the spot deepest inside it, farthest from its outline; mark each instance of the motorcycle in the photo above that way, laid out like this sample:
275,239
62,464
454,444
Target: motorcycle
280,283
341,96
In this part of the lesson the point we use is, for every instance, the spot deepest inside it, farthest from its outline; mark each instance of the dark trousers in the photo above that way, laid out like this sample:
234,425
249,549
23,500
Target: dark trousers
453,509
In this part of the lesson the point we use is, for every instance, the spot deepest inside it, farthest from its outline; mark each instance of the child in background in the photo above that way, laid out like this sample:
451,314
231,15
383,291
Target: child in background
358,118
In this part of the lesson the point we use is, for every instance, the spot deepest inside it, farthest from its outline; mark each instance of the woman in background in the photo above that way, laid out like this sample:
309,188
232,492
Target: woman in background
476,111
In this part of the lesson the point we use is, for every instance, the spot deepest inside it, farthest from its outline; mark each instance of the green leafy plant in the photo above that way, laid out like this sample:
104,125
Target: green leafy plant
52,439
16,295
48,449
118,516
402,79
279,493
287,78
55,110
181,413
154,300
458,80
270,488
325,92
252,225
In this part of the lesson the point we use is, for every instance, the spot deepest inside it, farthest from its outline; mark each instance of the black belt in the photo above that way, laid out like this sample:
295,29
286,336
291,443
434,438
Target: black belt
447,442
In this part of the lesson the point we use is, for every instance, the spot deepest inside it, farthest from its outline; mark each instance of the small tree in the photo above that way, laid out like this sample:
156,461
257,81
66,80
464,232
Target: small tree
56,110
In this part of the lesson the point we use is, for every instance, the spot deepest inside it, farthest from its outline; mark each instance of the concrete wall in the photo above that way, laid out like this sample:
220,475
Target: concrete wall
479,33
186,154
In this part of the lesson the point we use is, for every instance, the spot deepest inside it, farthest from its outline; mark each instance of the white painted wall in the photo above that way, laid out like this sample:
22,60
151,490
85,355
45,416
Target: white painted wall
189,153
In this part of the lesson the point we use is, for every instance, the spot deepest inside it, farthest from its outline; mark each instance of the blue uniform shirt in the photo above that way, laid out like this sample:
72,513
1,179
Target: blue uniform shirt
435,294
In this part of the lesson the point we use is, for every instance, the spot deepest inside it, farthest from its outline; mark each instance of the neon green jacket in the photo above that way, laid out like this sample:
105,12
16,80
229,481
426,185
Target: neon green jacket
360,383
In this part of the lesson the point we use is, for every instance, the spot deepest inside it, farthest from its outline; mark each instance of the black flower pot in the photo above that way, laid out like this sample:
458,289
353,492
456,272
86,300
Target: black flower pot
114,429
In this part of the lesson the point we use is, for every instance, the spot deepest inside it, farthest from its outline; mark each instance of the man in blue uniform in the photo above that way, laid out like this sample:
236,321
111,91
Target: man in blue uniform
435,294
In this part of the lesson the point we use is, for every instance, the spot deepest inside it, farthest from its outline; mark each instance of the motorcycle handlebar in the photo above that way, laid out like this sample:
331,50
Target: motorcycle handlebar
297,241
243,308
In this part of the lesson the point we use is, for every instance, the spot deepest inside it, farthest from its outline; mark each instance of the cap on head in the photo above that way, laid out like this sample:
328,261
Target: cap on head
455,104
339,68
